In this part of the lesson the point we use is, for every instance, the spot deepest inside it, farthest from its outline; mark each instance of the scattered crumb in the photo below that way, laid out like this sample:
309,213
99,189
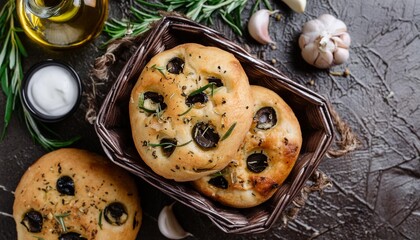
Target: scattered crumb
390,95
311,82
344,73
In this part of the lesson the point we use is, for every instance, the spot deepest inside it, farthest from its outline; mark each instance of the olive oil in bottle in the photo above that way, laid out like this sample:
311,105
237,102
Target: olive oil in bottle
62,23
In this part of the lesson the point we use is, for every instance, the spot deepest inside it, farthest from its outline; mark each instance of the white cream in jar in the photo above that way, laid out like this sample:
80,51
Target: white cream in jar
52,91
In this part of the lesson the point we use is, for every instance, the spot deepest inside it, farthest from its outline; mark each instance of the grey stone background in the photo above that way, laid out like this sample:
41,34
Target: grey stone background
376,192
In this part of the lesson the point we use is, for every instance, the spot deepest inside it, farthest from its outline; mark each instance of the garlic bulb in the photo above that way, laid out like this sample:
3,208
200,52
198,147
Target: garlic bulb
296,5
325,42
169,225
258,26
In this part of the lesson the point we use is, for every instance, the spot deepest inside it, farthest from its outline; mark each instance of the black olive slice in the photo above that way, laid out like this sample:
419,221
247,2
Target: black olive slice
197,98
115,214
168,146
219,182
217,81
265,118
205,135
175,65
156,98
257,162
71,236
32,220
65,185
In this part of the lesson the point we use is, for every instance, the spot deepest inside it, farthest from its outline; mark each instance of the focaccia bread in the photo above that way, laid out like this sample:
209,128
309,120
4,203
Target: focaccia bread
75,194
189,111
266,158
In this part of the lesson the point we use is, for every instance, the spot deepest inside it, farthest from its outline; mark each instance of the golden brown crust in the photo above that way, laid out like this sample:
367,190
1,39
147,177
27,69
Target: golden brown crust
97,183
227,105
280,143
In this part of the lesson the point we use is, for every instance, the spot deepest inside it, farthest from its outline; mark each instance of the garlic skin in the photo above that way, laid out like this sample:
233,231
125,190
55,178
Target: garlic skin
169,225
258,26
325,42
296,5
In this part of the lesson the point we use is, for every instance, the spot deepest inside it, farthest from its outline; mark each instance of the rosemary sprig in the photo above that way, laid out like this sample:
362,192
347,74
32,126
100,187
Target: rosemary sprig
228,132
60,219
160,69
10,61
144,13
39,238
203,88
217,174
11,75
100,219
167,144
157,111
187,111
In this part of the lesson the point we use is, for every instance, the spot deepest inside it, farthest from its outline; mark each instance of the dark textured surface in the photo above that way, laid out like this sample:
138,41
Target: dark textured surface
376,191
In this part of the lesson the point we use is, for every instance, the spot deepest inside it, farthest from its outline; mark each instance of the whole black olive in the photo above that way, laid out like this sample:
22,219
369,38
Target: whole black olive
219,182
156,98
205,135
115,214
168,146
175,65
217,81
265,118
257,162
71,236
33,221
197,98
65,185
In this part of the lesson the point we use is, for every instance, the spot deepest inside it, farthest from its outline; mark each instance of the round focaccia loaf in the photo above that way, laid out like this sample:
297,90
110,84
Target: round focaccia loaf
75,194
266,158
189,111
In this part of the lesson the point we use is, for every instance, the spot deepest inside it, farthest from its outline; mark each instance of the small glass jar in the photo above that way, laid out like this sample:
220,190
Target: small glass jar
51,91
62,23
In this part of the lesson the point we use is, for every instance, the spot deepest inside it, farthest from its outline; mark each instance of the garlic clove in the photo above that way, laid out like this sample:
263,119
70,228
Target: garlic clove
329,21
310,53
341,56
296,5
258,26
345,37
313,26
324,60
169,225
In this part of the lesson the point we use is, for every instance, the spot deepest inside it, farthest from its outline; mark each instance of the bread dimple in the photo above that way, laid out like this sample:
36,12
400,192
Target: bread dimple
97,184
227,106
280,144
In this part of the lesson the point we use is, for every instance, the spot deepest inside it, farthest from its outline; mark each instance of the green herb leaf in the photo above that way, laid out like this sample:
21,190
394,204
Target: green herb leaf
189,109
202,89
39,238
60,219
167,144
141,106
160,69
216,174
229,131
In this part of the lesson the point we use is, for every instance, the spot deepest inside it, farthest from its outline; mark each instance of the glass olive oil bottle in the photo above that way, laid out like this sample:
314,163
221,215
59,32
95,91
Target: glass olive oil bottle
62,23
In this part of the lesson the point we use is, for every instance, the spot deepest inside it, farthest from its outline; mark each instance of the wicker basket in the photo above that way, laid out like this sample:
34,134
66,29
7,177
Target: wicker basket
113,127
